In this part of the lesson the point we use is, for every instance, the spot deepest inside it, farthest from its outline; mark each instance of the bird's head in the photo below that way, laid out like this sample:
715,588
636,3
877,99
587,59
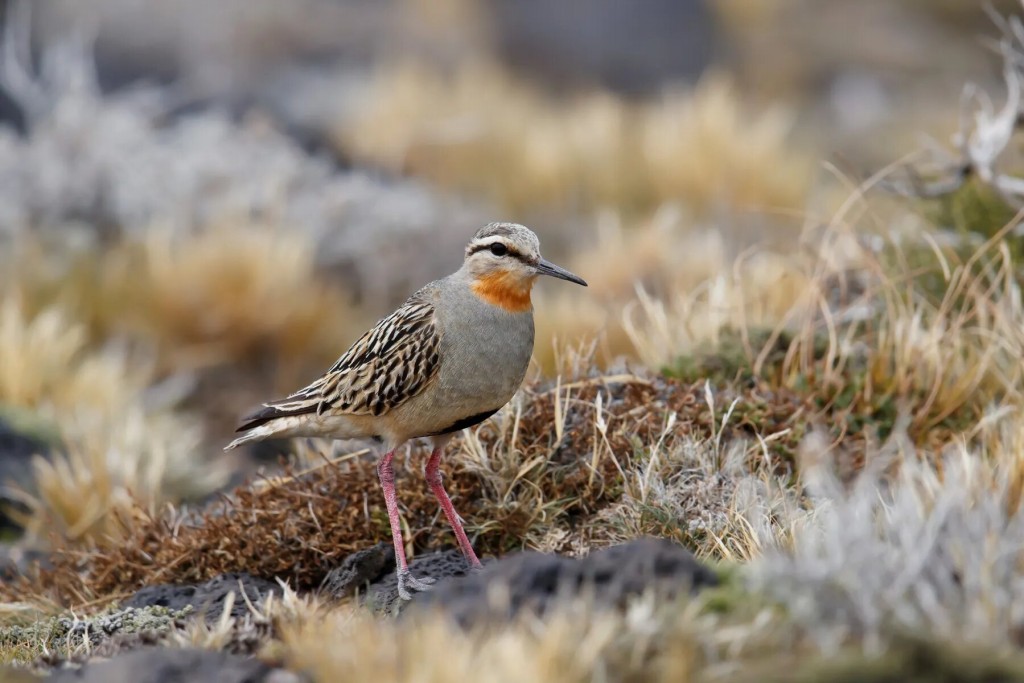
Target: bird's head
503,260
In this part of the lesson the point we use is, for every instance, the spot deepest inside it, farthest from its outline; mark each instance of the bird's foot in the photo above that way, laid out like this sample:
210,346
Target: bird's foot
406,581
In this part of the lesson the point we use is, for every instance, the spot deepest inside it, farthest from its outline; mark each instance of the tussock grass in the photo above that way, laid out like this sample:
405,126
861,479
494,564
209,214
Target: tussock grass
45,362
634,267
120,448
235,291
482,131
937,342
229,292
574,646
632,456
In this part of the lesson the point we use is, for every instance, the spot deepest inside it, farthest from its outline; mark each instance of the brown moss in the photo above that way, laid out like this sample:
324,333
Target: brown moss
299,526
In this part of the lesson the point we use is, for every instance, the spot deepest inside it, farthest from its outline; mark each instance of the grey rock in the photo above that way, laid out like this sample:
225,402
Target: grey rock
234,49
442,565
535,581
207,598
358,570
170,665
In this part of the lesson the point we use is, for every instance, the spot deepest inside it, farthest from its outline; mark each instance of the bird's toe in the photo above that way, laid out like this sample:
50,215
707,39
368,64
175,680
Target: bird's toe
407,581
424,583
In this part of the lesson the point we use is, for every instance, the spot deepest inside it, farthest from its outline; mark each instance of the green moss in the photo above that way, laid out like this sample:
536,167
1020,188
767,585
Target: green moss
730,595
858,399
659,521
972,215
30,425
729,360
908,660
974,209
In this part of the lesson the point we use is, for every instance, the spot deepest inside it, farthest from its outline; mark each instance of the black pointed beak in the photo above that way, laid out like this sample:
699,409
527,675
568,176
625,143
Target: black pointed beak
545,267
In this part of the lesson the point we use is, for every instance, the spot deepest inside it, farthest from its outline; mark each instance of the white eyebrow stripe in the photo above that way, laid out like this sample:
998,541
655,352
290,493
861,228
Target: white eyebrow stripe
488,241
484,242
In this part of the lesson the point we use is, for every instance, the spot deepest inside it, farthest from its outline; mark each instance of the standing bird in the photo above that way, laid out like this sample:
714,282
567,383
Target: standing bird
450,357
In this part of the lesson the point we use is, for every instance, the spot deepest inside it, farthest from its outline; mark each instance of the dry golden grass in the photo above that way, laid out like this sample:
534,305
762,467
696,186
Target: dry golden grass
331,642
921,331
693,639
231,291
576,643
633,267
574,646
482,131
92,336
117,450
45,363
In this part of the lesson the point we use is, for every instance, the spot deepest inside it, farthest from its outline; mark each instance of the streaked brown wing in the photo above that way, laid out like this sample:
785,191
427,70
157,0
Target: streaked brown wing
388,365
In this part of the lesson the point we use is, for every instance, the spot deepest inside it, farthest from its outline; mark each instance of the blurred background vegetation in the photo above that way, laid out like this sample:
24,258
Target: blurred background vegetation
203,203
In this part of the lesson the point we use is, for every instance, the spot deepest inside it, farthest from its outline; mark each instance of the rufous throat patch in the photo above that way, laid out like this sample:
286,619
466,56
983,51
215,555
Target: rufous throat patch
505,290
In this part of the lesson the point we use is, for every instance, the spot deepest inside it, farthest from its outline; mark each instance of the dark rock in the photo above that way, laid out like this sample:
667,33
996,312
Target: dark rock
207,598
22,435
448,564
171,665
607,43
626,570
358,570
121,643
15,560
535,581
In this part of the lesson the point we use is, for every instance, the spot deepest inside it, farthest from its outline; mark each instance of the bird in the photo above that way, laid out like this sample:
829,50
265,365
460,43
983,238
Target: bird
447,359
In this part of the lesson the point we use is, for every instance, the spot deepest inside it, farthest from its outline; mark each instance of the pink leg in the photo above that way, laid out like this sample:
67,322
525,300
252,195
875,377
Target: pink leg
386,474
434,479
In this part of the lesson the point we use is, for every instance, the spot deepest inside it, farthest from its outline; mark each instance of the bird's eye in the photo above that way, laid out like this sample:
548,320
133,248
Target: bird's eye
499,249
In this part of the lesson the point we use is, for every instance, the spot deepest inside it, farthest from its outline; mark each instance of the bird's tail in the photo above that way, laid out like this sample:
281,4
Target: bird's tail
255,434
270,421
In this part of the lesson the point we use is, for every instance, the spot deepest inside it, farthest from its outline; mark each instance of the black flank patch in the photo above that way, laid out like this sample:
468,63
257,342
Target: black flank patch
465,422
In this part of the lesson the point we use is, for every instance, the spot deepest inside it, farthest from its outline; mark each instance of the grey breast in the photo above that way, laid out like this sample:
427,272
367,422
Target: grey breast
485,352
